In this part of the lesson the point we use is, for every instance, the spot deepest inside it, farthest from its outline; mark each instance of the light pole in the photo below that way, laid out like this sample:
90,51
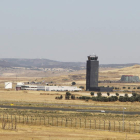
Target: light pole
123,117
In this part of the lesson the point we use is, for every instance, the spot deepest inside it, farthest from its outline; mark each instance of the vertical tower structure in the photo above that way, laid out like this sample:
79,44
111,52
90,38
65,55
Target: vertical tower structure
92,71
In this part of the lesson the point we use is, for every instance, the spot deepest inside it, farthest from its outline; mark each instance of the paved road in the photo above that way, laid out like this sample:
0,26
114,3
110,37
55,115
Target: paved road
66,109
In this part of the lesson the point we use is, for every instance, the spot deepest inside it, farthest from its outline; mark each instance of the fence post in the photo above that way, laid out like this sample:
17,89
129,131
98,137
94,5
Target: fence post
27,119
23,119
109,125
90,123
95,124
31,119
48,120
19,118
44,120
80,122
114,125
85,123
15,122
61,121
99,123
57,121
139,127
40,120
7,117
119,126
134,128
124,126
66,123
52,121
129,127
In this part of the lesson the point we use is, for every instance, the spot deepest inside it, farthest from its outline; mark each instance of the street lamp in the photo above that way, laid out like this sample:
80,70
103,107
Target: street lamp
123,117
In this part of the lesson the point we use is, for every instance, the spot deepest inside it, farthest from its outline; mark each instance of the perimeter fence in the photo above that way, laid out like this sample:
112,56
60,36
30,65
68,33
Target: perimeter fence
11,121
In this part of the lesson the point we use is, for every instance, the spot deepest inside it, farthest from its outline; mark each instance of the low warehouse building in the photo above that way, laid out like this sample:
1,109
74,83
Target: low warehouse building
47,88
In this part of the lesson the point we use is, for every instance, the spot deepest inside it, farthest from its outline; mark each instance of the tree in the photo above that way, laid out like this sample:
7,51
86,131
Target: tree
117,94
92,93
108,93
73,83
61,97
126,95
134,94
128,87
67,96
68,93
73,97
82,87
99,94
123,87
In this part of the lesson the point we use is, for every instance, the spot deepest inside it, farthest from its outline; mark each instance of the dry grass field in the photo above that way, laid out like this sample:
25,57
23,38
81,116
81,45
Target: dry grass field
26,132
34,98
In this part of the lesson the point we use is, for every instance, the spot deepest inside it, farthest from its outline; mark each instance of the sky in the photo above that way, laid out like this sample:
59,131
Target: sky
70,30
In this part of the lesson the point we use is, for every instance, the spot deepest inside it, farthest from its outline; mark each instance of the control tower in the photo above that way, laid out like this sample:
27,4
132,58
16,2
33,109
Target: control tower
92,72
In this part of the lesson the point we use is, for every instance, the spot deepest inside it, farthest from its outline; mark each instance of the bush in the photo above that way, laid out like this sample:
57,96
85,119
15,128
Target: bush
68,93
134,94
108,93
123,87
73,83
92,93
73,97
82,87
99,94
126,95
117,94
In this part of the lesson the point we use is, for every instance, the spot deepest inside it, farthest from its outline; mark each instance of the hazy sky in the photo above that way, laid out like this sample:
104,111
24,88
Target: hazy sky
69,30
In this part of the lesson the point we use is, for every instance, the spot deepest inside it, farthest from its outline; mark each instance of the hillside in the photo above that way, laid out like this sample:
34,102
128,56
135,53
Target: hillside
46,63
116,74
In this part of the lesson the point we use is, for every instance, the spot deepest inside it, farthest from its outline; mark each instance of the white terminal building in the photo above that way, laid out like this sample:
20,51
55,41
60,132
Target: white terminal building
47,88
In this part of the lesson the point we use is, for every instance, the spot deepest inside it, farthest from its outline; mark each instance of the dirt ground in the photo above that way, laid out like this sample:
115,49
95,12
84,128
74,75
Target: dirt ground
26,132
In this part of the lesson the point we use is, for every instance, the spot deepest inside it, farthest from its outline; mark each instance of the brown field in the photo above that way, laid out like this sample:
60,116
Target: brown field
27,132
34,98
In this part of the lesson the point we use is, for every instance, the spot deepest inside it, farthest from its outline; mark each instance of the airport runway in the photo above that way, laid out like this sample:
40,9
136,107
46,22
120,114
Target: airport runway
66,109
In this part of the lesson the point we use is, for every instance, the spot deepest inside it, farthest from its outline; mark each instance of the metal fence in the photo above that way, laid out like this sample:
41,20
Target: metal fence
11,121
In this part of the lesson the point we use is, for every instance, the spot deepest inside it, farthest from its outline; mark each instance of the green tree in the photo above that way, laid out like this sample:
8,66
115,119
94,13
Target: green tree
92,93
134,94
99,94
117,94
126,95
108,93
73,83
82,87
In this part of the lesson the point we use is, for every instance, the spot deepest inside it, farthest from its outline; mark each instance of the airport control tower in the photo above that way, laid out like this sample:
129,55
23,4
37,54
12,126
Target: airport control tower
92,72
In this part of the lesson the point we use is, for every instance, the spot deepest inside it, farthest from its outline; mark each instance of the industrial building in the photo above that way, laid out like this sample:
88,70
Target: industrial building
47,88
129,78
92,72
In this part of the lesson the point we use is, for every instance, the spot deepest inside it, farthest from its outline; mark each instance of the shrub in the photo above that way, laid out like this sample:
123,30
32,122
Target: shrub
117,94
68,93
126,95
92,93
99,94
82,87
73,83
108,93
134,94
